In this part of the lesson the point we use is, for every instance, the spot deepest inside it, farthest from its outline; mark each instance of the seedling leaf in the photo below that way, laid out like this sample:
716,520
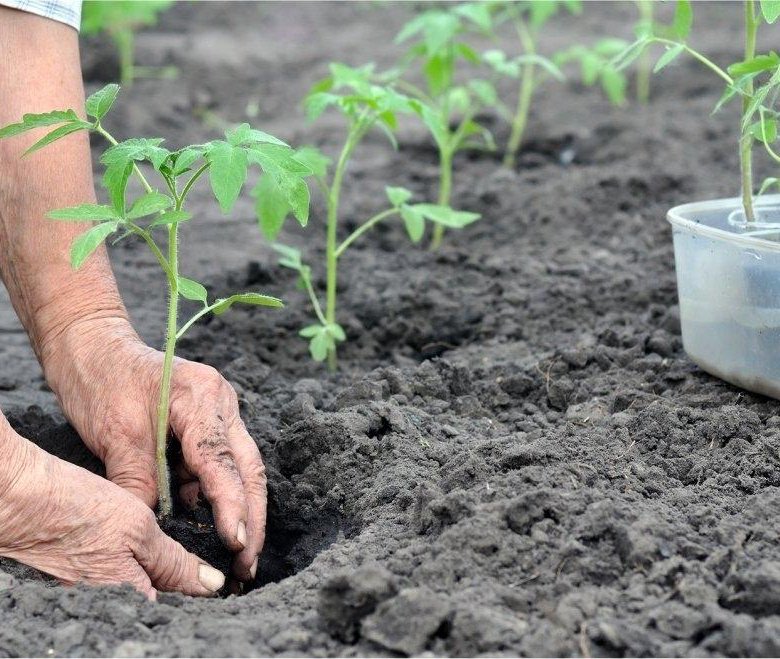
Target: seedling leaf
446,215
89,241
85,213
149,204
192,290
254,299
414,223
57,134
31,121
271,206
170,217
314,159
99,103
227,173
398,196
770,9
668,57
683,19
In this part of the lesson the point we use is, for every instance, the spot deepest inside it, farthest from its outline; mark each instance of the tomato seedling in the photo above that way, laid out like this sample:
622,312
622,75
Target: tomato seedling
448,109
226,163
739,78
365,105
120,19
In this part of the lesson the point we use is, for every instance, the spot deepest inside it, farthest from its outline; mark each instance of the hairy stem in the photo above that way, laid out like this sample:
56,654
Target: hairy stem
445,191
644,69
165,500
355,134
524,96
746,141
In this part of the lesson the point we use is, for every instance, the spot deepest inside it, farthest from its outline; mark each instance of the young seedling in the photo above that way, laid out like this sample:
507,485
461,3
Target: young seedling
448,109
365,105
120,19
164,212
739,77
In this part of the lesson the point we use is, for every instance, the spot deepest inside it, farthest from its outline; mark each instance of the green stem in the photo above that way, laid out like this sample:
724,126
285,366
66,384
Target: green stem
366,226
644,69
746,141
314,301
125,46
355,134
164,498
524,96
697,56
445,191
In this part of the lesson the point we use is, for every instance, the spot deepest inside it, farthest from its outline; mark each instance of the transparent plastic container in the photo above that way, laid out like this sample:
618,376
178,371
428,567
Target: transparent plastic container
728,280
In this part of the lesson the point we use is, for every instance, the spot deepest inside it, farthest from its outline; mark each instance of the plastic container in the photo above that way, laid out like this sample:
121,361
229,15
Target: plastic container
728,280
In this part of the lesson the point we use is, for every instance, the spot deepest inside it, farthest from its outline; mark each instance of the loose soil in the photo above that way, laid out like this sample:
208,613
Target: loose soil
516,456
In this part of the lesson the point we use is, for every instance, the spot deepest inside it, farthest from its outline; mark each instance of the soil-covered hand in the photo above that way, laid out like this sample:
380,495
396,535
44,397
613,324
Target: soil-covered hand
107,382
78,527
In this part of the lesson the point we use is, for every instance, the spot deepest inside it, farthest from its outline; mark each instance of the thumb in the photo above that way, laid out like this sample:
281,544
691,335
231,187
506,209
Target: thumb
172,568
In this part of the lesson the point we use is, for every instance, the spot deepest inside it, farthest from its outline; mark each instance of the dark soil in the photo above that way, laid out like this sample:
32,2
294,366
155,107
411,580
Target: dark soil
516,457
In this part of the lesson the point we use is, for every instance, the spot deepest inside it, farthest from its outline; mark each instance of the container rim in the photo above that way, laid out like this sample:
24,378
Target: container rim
677,217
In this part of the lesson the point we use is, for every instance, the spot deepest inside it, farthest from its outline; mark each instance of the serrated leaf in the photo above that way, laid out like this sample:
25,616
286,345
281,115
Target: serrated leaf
755,65
85,244
770,10
84,213
668,57
192,290
253,299
414,223
32,121
150,203
445,215
57,134
271,206
99,103
115,180
245,134
314,159
171,217
227,173
185,159
397,196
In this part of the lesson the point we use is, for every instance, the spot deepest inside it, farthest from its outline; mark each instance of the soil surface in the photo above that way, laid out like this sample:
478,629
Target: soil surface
516,456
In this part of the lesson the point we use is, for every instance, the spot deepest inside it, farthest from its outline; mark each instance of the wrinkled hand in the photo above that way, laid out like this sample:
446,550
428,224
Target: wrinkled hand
107,382
86,529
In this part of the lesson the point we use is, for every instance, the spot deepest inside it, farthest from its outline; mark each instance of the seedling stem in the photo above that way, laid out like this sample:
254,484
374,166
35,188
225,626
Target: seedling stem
525,95
644,70
746,142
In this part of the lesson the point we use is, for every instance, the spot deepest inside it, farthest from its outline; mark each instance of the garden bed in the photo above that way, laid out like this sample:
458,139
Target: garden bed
516,457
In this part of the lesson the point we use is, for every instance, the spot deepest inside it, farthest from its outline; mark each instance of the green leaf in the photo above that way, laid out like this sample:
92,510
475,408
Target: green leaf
254,299
185,158
683,19
613,82
290,257
115,180
310,330
314,159
192,290
770,9
99,103
437,125
57,134
397,196
414,223
438,71
764,130
31,121
150,203
756,65
89,241
245,134
227,173
478,13
446,215
768,183
320,345
84,213
485,91
336,331
171,217
271,206
668,57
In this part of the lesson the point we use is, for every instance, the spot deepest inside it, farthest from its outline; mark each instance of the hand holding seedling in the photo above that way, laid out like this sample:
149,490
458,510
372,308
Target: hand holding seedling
107,381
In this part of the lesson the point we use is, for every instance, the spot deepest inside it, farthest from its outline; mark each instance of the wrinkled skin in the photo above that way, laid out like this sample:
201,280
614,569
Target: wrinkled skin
108,389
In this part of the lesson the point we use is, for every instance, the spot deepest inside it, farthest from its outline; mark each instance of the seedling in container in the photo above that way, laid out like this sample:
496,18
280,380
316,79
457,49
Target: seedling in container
739,79
164,212
365,105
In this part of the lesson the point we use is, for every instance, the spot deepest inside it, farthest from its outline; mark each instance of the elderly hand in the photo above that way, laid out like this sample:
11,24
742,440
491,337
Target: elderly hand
107,382
78,527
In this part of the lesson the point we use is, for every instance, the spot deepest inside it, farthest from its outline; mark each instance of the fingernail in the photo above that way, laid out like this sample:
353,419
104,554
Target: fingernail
241,534
253,569
210,578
